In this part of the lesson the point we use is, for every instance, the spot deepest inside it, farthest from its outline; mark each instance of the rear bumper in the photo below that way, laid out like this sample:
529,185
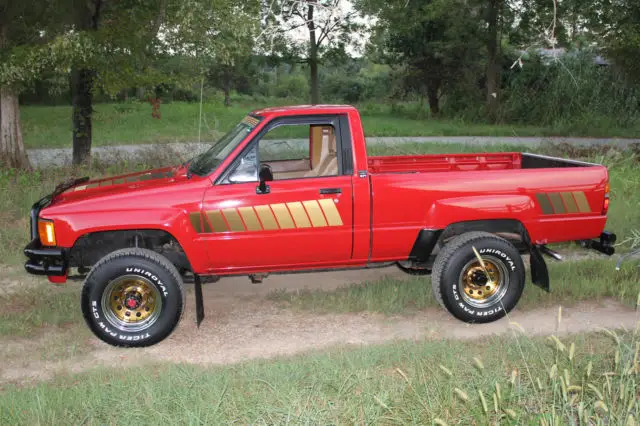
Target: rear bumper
51,261
604,244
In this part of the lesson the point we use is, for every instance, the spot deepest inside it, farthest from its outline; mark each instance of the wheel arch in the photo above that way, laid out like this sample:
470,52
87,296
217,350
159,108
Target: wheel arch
430,241
90,247
511,230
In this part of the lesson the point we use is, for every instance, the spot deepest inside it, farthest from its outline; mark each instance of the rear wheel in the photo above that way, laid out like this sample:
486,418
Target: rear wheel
133,297
475,291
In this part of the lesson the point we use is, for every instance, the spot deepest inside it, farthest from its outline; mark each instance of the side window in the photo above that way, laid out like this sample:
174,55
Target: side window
247,169
292,151
300,151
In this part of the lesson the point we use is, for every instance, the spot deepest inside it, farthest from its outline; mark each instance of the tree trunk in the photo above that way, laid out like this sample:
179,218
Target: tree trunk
82,97
313,55
492,59
432,96
12,152
227,95
87,19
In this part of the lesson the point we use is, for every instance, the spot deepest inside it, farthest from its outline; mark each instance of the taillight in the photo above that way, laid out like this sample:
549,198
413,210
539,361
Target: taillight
47,232
605,205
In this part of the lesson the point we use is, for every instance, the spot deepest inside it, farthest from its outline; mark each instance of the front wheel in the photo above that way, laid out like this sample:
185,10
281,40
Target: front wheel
475,291
133,297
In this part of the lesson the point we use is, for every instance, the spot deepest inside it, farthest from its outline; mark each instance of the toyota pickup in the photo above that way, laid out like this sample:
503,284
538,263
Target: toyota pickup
292,189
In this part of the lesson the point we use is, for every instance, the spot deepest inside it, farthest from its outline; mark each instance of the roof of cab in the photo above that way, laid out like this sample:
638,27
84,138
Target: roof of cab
305,109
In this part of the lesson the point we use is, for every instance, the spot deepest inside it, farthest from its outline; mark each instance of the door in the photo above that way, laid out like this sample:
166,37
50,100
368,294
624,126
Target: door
301,218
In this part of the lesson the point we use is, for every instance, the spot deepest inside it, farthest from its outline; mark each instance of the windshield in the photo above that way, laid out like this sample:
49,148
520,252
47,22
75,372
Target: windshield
209,160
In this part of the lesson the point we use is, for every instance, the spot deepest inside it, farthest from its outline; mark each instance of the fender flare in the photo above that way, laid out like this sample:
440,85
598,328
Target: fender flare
428,239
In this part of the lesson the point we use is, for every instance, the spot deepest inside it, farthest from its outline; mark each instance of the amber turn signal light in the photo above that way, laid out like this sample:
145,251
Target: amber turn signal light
46,232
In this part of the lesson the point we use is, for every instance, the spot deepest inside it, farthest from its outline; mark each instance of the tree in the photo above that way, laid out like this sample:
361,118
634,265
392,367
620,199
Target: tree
21,59
126,39
492,75
328,23
622,37
120,39
433,42
232,75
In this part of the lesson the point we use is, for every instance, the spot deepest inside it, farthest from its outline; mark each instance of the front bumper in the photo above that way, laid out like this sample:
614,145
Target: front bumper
51,261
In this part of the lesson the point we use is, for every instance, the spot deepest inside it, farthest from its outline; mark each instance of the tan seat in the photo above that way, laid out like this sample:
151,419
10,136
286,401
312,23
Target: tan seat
326,163
324,157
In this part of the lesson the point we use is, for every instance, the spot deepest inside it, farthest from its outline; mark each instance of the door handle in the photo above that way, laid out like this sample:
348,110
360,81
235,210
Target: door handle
331,191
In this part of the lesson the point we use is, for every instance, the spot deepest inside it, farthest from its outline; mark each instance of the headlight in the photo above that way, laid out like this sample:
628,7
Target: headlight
47,232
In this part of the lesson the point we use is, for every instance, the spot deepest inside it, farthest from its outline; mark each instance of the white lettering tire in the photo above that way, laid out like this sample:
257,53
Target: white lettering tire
454,263
133,282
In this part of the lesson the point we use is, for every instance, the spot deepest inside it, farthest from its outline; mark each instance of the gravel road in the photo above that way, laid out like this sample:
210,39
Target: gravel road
62,156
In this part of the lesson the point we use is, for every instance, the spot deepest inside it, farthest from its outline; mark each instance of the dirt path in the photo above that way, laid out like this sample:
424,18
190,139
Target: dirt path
241,325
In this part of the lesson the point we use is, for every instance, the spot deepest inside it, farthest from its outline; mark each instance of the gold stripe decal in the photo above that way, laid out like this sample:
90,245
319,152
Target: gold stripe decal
572,207
282,215
250,219
563,202
330,212
556,201
315,213
543,200
194,217
269,217
266,218
233,219
217,221
299,215
582,202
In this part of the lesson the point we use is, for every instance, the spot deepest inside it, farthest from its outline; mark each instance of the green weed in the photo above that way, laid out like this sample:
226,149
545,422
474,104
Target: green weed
571,282
121,124
587,379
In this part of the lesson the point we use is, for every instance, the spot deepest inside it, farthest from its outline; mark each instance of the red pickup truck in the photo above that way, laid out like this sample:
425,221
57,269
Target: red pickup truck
291,189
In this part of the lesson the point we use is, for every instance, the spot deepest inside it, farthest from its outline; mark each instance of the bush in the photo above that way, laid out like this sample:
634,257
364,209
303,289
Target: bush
291,86
569,92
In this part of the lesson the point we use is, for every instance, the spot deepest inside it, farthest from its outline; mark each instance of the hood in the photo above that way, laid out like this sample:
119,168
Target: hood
84,188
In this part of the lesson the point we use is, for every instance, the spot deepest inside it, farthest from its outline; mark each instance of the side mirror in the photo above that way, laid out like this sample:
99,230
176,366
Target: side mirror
265,175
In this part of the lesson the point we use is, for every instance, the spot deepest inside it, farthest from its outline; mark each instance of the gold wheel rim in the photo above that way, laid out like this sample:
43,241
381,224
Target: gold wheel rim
131,303
476,284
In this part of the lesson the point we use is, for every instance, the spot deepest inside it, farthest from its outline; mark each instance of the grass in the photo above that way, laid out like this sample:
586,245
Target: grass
24,313
571,282
132,123
590,379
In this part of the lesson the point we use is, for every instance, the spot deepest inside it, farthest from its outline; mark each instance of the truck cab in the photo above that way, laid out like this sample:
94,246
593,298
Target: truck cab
292,189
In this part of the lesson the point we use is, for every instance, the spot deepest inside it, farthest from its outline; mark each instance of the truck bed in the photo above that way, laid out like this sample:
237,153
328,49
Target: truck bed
467,162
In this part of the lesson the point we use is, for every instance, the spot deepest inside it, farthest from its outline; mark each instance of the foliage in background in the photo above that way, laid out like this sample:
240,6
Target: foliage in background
309,31
433,44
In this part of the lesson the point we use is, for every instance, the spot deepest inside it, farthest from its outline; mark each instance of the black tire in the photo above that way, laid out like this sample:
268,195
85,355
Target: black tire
458,293
159,291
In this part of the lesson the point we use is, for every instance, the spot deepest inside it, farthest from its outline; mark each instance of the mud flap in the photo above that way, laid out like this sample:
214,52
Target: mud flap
199,303
539,270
